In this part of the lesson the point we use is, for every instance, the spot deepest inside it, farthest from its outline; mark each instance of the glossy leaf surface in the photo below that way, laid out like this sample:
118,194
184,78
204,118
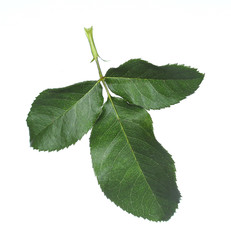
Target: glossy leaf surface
150,86
60,117
132,168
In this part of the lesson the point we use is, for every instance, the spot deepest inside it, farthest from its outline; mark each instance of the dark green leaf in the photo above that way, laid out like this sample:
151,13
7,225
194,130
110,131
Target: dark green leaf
153,87
60,117
132,168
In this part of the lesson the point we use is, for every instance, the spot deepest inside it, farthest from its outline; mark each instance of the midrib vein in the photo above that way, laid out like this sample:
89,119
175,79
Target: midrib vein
66,110
155,79
127,140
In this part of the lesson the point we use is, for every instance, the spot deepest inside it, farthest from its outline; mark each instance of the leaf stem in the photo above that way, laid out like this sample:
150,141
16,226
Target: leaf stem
99,69
89,34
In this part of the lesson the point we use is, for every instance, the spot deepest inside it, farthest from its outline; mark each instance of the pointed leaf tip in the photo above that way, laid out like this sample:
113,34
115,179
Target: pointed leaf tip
153,87
133,169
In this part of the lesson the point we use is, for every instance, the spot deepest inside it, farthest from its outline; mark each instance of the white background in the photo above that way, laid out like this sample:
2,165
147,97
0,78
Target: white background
56,195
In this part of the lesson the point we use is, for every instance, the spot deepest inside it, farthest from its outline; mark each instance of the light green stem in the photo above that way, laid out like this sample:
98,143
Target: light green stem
89,34
99,69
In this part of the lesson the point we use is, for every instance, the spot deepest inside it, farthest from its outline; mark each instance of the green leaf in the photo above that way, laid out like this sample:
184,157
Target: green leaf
150,86
132,168
60,117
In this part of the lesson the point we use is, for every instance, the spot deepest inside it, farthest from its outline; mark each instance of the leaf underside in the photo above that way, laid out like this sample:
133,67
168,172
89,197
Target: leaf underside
60,117
150,86
133,169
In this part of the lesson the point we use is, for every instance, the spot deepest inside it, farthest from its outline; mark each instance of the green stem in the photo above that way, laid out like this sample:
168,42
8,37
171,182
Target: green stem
99,69
89,34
